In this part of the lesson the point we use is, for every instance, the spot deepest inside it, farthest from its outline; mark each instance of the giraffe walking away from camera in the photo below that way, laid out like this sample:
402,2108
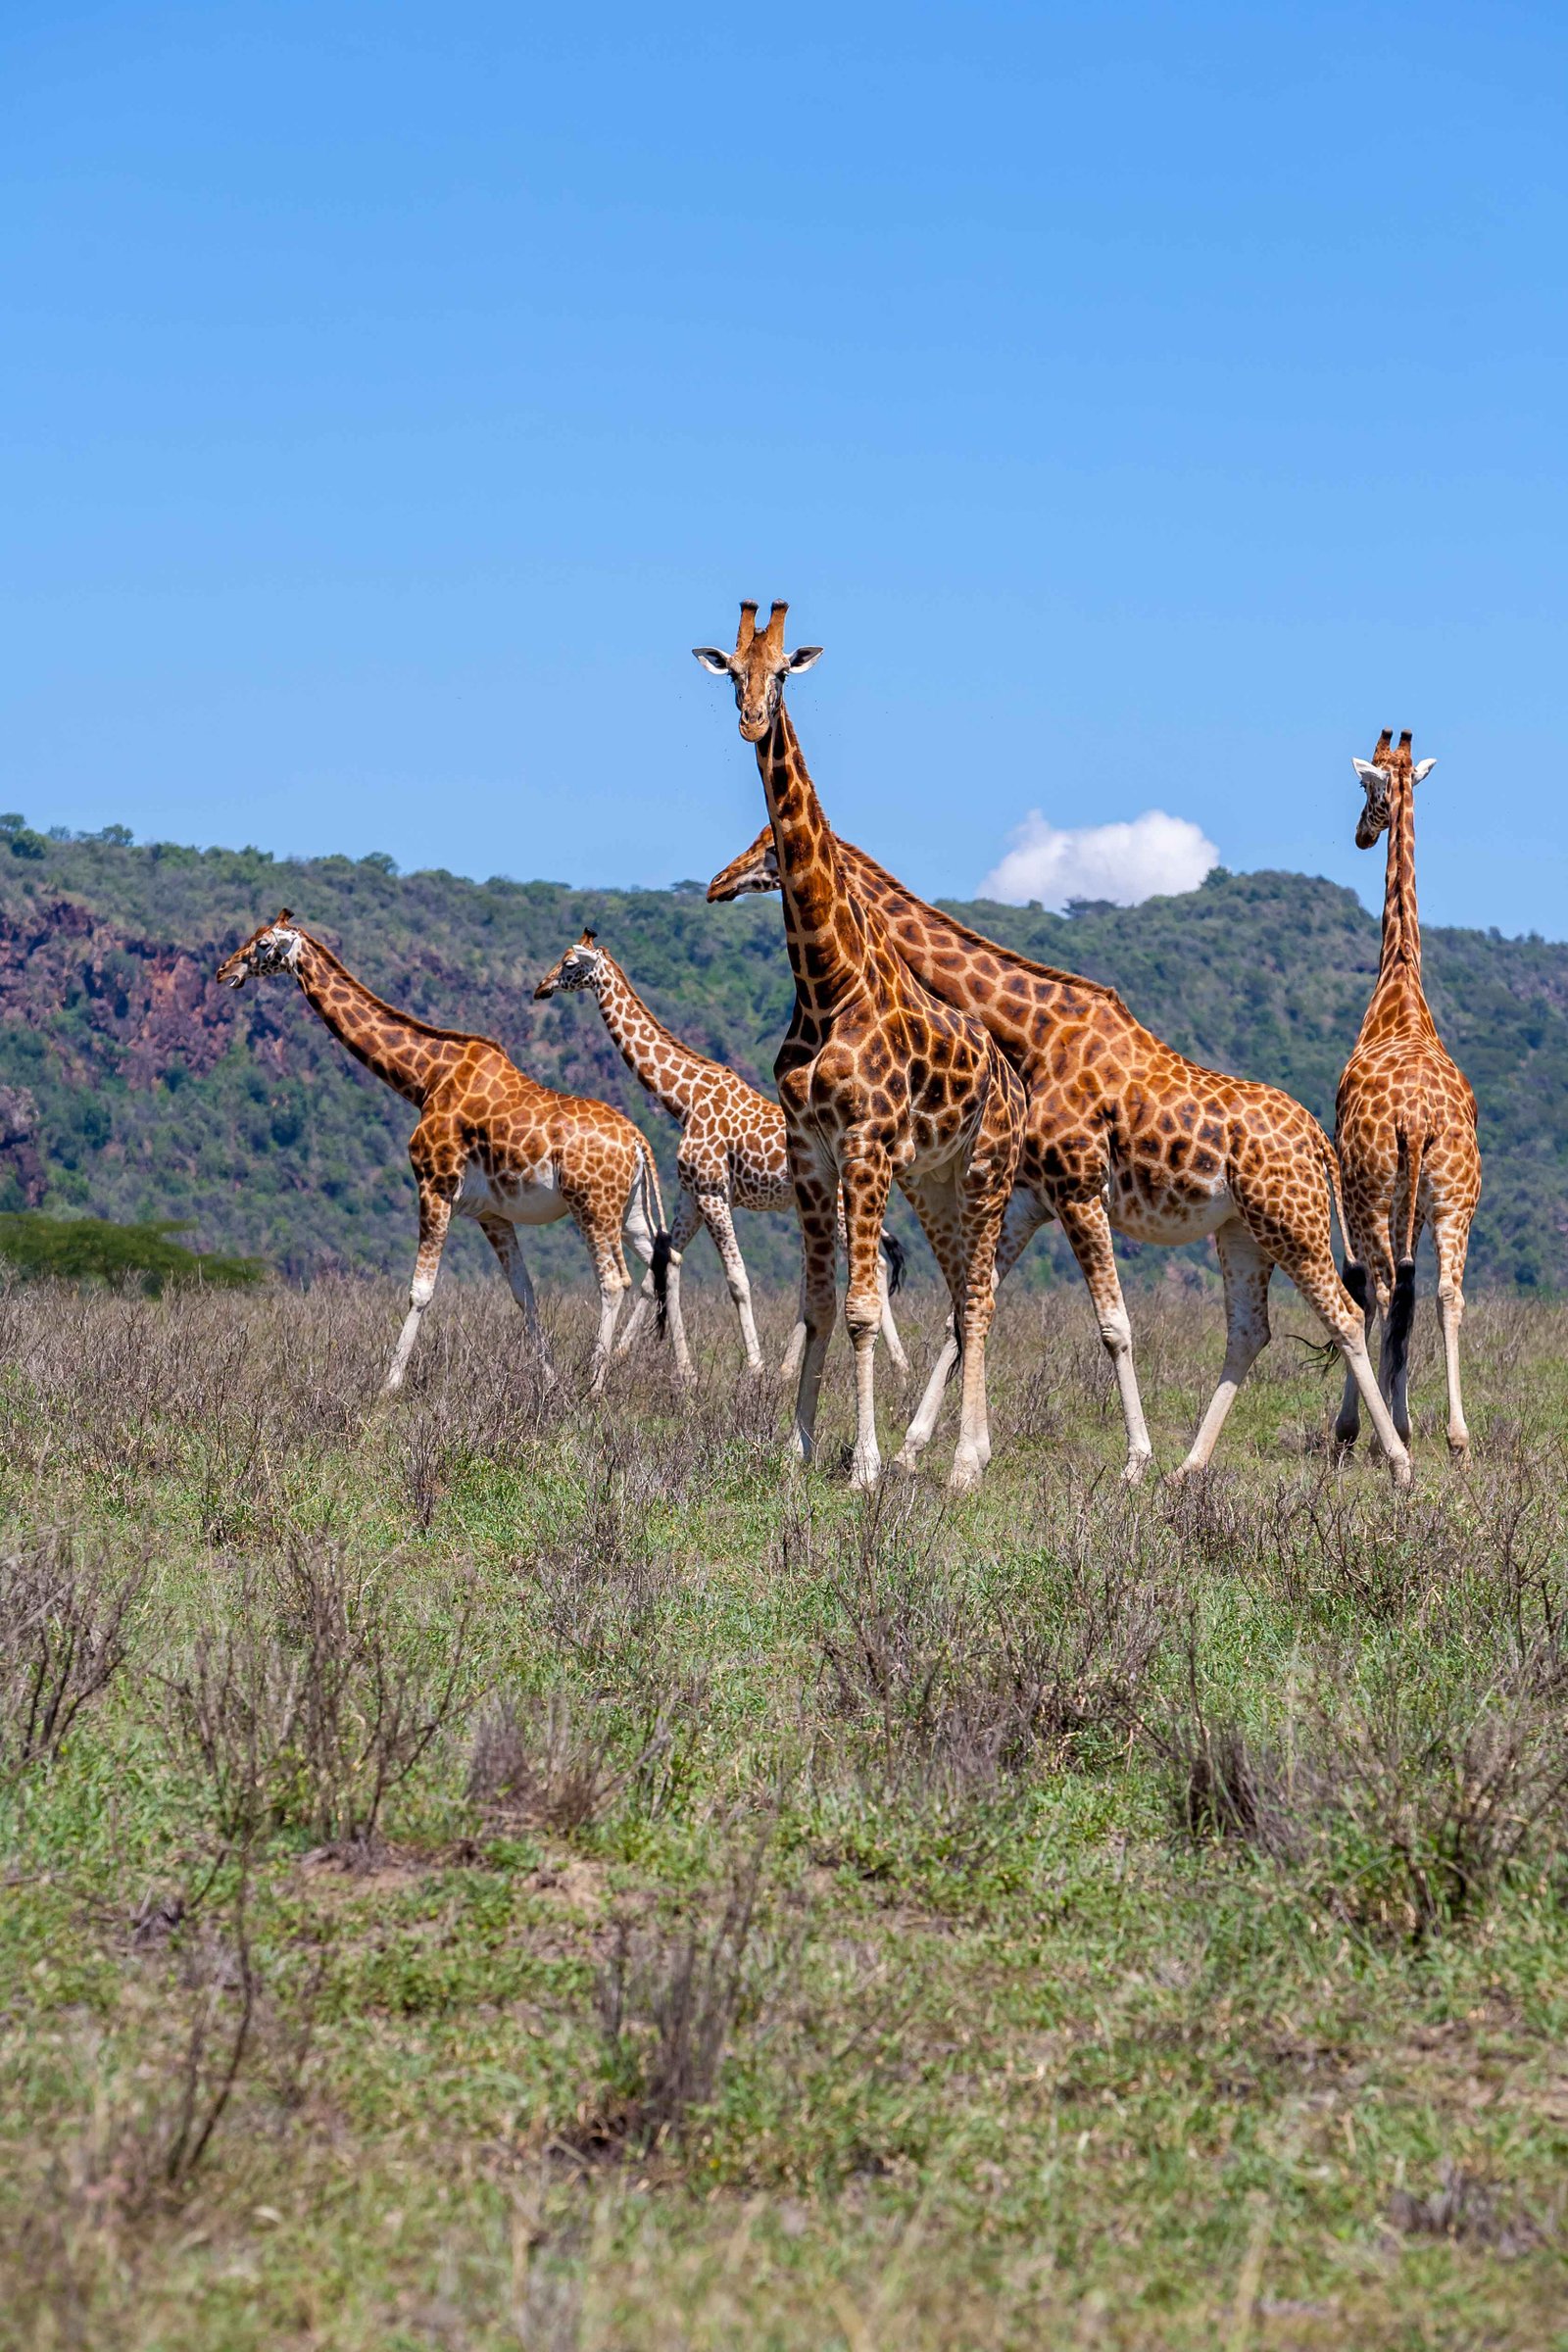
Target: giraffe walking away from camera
879,1081
733,1152
491,1144
1406,1120
1124,1134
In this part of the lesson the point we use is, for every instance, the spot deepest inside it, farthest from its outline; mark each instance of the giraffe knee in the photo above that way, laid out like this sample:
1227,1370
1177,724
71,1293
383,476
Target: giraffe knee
1115,1330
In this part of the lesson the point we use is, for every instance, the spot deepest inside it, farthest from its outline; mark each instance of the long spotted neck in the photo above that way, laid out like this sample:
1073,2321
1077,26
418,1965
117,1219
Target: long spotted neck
669,1070
823,927
1399,965
402,1051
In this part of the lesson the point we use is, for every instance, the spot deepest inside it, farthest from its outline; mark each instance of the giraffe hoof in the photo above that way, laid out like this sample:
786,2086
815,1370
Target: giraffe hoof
1136,1469
964,1478
908,1460
864,1474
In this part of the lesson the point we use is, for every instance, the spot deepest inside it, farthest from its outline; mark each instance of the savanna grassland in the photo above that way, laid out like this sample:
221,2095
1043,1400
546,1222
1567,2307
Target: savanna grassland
501,1872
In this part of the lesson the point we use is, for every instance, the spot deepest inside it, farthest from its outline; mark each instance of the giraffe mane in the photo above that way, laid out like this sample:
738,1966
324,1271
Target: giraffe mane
978,939
409,1020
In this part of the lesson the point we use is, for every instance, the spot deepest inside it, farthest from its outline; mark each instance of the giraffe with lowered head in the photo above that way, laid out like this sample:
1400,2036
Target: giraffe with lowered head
1124,1134
491,1144
1407,1121
878,1077
732,1154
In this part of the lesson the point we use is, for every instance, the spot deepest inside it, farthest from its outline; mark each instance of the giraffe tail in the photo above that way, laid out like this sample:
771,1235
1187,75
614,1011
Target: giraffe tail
663,1247
893,1252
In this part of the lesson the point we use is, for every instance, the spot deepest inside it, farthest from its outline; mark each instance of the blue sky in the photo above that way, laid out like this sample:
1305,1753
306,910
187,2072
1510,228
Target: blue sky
1142,404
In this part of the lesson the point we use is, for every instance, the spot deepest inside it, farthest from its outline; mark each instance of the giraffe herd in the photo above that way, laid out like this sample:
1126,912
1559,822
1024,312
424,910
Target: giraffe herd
994,1092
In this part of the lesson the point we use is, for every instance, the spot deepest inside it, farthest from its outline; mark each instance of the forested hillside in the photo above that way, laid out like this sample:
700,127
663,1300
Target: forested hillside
131,1086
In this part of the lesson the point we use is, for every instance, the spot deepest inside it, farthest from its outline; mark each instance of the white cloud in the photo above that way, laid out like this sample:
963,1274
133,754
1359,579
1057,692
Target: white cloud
1148,858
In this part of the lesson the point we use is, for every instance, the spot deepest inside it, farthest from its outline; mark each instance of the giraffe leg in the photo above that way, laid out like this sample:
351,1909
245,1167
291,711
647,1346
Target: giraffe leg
1087,1225
890,1330
1313,1274
867,1174
640,1232
720,1222
435,1216
1347,1424
1025,1214
685,1225
1451,1240
1247,1269
502,1236
815,1191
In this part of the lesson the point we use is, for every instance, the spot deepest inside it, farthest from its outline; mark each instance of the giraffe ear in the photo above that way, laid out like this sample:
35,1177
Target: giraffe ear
1370,773
805,657
1422,768
712,659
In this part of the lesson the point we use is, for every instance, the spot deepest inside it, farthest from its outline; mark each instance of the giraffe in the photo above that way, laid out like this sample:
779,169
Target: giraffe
1407,1121
732,1153
491,1144
1123,1133
879,1079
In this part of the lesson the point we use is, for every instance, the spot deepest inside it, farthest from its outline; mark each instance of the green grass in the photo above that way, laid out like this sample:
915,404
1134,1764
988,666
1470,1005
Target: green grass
673,1902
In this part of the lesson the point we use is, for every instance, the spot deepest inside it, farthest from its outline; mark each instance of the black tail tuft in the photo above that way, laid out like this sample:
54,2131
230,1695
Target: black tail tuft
1402,1315
1355,1280
661,1271
893,1251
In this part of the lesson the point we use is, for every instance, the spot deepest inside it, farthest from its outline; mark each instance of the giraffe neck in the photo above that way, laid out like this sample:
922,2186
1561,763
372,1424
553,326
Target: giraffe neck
669,1070
822,926
1018,1001
401,1051
1399,965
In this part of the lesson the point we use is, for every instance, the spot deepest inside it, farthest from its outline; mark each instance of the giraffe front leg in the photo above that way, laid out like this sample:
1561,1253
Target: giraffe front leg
867,1174
1087,1225
815,1191
502,1236
435,1216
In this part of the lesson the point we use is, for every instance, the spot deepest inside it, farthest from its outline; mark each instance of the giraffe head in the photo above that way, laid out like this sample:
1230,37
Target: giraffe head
275,948
1389,761
579,967
758,668
756,868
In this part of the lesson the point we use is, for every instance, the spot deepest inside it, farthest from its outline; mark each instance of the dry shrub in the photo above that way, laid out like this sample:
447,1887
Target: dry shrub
956,1685
308,1705
1468,2211
1402,1810
64,1632
605,1591
536,1761
671,2004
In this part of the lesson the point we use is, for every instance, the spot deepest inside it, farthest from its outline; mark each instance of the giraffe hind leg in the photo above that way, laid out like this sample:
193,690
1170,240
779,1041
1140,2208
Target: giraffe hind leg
1348,1426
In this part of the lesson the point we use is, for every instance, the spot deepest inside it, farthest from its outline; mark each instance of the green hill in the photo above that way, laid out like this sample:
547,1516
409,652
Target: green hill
131,1087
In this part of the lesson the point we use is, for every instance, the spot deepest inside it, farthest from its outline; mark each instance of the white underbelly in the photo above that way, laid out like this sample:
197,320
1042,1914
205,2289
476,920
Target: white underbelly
1169,1221
529,1197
